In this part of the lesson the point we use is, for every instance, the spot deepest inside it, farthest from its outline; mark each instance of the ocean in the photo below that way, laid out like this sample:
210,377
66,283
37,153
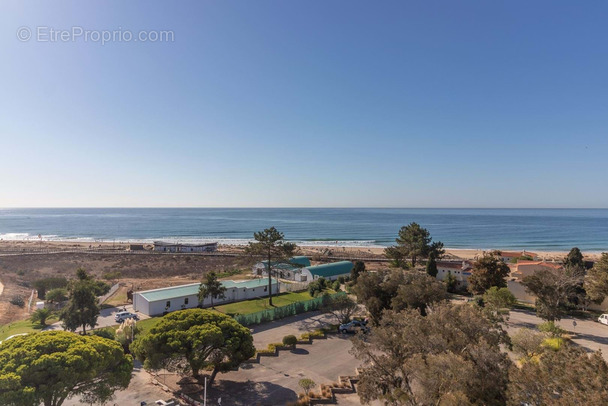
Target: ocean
531,229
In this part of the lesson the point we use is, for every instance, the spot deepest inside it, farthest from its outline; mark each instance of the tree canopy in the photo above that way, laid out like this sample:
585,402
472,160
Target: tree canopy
397,289
193,339
553,291
211,287
341,307
83,308
451,356
413,243
568,376
596,281
574,259
488,271
50,367
271,245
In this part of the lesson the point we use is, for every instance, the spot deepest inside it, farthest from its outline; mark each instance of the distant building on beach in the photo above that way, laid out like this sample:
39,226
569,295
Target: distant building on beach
136,247
159,301
162,246
461,271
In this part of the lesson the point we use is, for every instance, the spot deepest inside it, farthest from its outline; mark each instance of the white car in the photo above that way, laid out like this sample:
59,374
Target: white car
122,316
603,319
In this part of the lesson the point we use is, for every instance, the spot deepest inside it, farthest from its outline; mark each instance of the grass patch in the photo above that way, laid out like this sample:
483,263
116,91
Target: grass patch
118,298
146,324
23,326
257,305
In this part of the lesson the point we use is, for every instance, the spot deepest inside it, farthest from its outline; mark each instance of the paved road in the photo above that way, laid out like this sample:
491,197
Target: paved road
105,319
140,389
274,381
587,333
274,331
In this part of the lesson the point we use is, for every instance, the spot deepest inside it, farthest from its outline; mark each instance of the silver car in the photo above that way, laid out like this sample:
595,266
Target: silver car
353,327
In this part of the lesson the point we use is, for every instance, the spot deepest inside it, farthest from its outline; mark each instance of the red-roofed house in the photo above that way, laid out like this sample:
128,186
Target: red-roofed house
527,268
507,256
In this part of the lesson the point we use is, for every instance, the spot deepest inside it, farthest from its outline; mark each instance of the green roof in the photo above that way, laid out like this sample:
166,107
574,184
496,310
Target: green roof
300,260
332,269
294,264
192,289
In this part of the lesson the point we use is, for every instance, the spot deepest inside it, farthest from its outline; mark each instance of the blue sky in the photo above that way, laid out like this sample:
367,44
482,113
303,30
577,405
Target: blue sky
309,103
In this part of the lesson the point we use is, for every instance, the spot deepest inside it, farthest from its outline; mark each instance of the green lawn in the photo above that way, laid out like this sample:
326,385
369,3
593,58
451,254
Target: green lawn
257,305
22,326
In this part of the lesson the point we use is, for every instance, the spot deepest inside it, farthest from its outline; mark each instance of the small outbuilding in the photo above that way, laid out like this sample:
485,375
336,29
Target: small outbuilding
290,270
159,301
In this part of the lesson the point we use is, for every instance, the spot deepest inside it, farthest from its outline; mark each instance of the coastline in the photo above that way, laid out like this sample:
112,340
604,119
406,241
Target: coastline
371,251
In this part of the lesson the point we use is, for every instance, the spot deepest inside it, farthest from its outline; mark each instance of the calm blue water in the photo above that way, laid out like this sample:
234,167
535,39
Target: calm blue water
539,229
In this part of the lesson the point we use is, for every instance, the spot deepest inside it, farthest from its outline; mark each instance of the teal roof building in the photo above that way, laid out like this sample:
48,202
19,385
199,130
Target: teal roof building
331,271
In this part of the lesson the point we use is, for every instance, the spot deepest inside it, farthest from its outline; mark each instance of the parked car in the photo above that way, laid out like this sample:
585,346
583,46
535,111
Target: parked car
353,327
603,319
122,316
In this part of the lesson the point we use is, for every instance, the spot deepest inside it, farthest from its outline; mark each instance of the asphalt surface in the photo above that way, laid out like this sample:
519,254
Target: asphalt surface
105,319
589,334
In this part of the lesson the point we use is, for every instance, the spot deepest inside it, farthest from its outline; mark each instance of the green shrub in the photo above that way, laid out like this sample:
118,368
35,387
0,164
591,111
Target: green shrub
551,328
105,333
17,301
554,343
111,275
290,340
336,286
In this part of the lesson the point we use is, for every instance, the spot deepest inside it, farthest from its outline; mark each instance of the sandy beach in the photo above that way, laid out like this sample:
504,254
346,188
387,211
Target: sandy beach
452,253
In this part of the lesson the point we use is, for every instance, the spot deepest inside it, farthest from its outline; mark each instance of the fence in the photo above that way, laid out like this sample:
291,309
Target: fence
29,302
112,290
284,311
292,287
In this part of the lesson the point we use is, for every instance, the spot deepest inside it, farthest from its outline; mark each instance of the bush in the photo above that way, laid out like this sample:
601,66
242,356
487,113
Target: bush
554,343
57,295
307,385
551,328
40,316
290,340
336,286
17,301
46,284
105,333
111,275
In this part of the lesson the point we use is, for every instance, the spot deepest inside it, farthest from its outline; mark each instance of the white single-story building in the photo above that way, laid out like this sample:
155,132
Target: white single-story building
461,271
331,271
159,301
162,246
282,270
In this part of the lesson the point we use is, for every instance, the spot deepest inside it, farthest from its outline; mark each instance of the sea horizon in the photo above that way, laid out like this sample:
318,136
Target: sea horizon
546,229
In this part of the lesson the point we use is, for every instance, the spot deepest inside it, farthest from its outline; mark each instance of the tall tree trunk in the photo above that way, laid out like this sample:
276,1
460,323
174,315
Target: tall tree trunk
213,374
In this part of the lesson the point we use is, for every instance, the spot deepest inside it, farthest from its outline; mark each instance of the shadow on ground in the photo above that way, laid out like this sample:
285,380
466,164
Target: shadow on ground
249,394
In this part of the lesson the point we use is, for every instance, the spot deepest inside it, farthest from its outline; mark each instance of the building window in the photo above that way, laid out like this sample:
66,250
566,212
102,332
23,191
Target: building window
265,288
186,300
168,303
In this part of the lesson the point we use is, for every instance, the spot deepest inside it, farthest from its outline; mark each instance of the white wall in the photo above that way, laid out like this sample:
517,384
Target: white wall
233,294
